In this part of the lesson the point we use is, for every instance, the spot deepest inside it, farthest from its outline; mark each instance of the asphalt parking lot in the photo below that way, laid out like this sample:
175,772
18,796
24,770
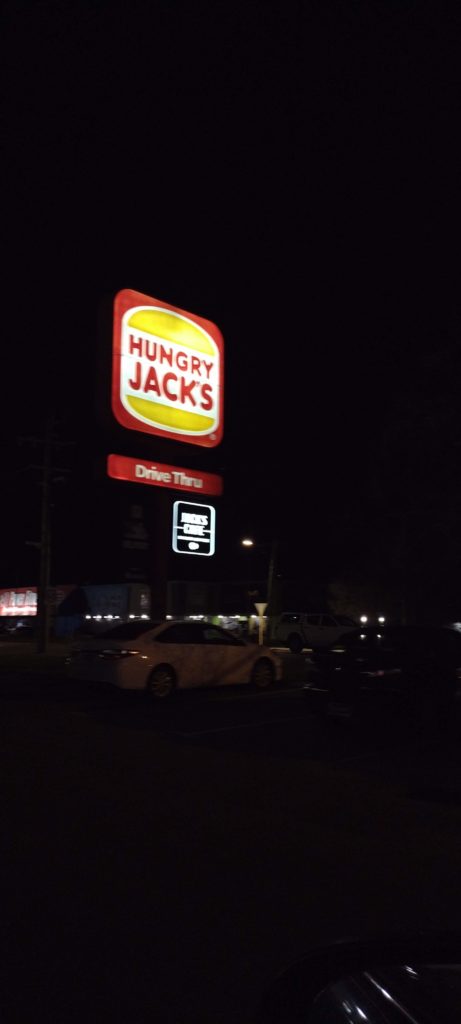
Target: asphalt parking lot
163,862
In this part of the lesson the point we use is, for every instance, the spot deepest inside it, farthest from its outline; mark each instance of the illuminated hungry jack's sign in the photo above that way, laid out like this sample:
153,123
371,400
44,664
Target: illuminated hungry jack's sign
167,371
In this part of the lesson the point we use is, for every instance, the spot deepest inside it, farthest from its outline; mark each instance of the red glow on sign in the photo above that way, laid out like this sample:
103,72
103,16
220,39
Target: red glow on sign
20,601
120,467
168,370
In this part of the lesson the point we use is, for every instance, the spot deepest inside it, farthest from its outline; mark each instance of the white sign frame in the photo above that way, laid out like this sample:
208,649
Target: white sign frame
199,534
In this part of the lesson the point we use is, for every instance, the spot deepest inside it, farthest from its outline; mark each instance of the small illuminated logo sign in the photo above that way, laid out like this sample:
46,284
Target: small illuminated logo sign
167,371
193,528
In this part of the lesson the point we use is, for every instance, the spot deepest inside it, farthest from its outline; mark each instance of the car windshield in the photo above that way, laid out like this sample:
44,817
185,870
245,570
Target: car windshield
355,635
399,994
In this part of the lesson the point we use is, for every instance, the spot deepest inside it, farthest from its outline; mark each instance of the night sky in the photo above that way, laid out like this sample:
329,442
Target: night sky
287,170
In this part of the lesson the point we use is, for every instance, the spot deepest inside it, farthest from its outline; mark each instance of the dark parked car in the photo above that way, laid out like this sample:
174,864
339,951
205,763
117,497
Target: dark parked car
18,629
413,670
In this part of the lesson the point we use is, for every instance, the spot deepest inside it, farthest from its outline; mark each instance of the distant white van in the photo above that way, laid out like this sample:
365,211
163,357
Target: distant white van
297,630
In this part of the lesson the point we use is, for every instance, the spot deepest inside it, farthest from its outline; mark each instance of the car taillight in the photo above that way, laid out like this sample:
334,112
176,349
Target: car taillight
112,655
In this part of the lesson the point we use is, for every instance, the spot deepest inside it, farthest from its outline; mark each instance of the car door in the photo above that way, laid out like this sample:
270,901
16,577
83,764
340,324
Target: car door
182,645
312,630
229,659
328,631
381,672
370,662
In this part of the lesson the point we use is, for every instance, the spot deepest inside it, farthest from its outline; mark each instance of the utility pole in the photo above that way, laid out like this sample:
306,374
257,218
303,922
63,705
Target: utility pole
270,574
270,584
43,592
47,471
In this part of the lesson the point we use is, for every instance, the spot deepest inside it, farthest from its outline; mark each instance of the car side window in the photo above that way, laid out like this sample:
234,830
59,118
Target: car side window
312,620
328,620
181,633
214,635
290,618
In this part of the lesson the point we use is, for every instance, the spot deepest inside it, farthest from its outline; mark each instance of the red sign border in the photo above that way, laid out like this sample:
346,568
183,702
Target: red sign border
124,300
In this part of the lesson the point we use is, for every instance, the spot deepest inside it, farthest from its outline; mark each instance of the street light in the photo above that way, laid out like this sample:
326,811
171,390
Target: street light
248,542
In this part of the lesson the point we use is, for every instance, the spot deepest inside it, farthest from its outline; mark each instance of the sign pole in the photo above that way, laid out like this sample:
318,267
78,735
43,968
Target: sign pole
159,558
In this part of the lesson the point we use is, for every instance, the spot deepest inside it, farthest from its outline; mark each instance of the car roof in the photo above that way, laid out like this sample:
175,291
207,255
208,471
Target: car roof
136,628
418,631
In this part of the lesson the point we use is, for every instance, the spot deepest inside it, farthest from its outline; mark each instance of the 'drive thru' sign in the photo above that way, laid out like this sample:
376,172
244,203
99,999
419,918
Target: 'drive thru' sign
122,467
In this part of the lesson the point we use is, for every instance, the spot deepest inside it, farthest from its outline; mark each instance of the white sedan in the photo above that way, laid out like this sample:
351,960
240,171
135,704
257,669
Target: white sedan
171,655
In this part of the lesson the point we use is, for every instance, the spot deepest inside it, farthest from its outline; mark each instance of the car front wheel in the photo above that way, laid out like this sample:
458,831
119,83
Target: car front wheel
263,674
161,683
